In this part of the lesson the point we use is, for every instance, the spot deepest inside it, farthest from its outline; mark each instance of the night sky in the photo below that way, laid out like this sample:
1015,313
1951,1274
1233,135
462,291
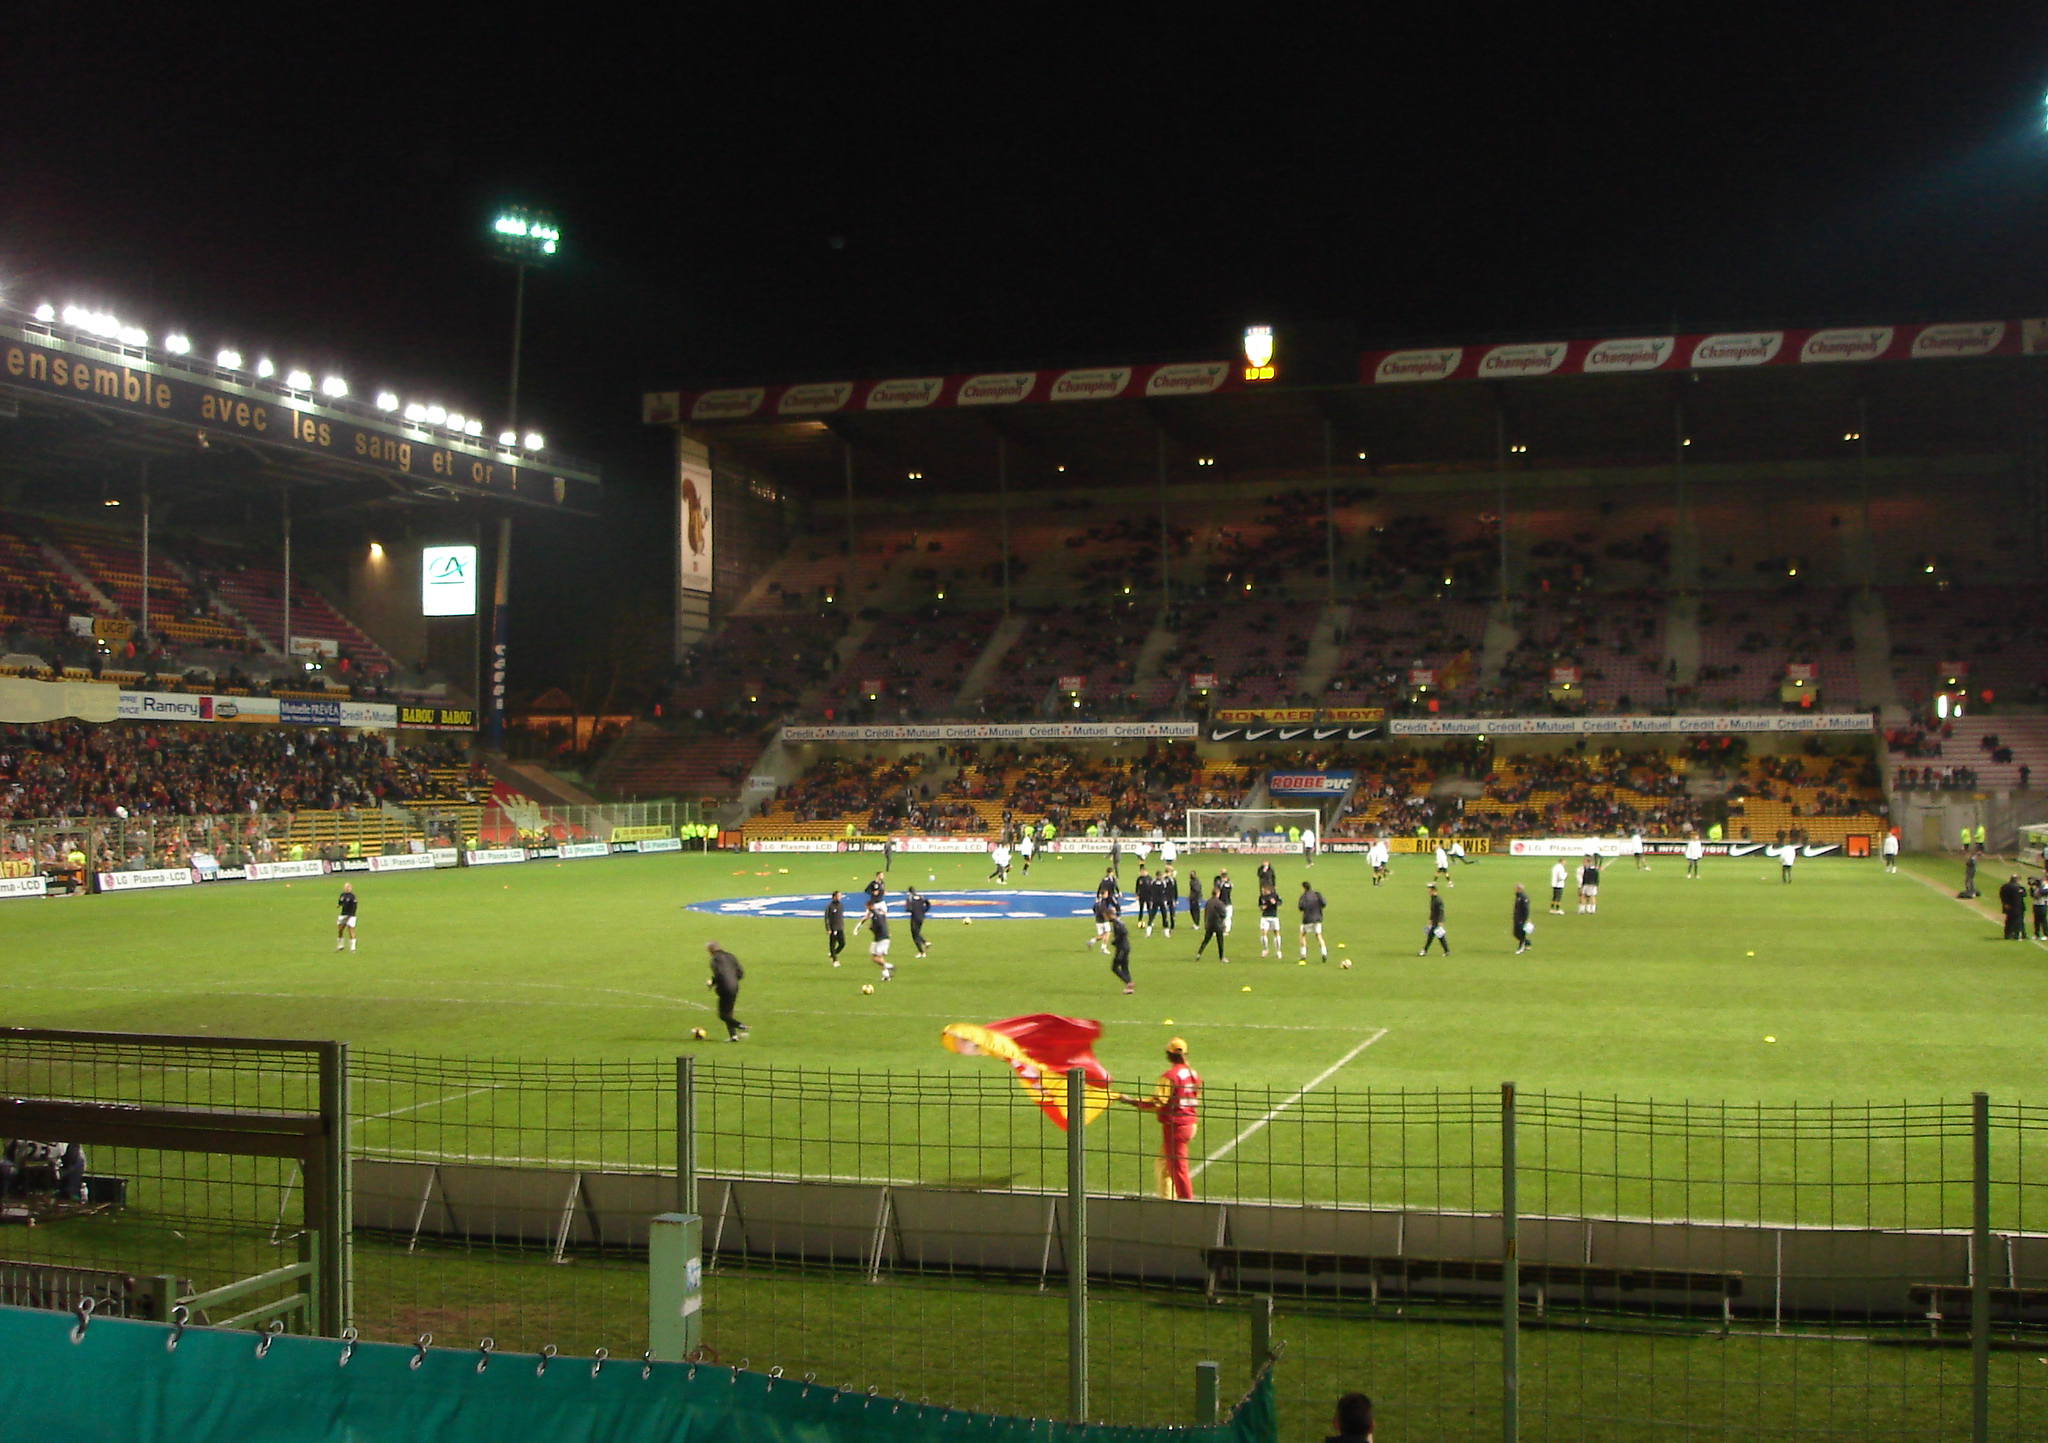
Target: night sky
751,195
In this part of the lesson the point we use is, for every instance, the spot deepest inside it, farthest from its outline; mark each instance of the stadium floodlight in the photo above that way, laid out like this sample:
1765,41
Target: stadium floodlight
387,401
508,438
178,344
265,369
228,359
299,380
333,386
535,441
415,412
526,237
133,336
437,415
475,427
46,313
456,421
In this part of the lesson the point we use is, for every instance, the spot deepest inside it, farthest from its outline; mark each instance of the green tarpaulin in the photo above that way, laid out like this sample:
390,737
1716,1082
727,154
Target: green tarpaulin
120,1381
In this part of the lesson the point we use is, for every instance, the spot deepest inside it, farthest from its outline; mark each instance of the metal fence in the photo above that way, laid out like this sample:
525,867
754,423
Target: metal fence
1485,1263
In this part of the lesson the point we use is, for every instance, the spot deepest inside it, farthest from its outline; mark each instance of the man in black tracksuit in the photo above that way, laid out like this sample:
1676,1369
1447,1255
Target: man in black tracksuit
725,981
1524,932
1141,888
877,889
2038,891
835,926
1434,932
1221,887
1268,877
915,906
1120,957
1166,900
1212,926
2012,900
1194,897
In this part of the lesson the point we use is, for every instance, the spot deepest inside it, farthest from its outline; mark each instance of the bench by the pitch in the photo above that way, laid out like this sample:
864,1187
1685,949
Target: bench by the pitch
1406,1277
1950,1302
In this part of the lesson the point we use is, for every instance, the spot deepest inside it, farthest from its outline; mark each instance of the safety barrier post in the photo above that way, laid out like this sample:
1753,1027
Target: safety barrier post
1510,1275
1207,1393
1077,1246
1262,1332
1980,1267
686,1135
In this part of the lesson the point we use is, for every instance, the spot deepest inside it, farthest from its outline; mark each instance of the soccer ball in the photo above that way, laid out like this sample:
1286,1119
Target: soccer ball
1528,929
867,989
696,1034
1345,964
967,921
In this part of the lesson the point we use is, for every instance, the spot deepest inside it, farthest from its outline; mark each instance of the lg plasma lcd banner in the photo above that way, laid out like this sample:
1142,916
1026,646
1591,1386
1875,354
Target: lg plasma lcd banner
448,581
693,515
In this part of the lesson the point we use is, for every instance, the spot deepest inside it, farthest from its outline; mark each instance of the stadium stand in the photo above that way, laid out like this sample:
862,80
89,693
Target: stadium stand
1747,640
648,762
920,658
758,667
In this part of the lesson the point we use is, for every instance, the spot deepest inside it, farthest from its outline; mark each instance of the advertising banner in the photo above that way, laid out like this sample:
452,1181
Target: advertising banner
942,844
1722,350
1300,784
444,856
436,718
447,581
1801,671
694,520
496,856
100,628
402,862
1629,725
22,887
309,713
794,844
1281,732
1354,713
570,851
132,381
141,881
639,834
1074,682
661,844
1265,714
997,732
1564,676
276,871
1202,680
315,646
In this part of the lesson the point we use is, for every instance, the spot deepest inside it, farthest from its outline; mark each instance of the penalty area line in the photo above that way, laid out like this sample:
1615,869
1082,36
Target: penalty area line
422,1106
1306,1088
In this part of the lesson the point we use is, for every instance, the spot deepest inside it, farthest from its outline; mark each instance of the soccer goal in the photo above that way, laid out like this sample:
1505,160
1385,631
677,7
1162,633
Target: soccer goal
1227,824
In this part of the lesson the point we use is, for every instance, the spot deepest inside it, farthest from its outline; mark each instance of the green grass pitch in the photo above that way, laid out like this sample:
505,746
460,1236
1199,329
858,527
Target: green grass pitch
1876,987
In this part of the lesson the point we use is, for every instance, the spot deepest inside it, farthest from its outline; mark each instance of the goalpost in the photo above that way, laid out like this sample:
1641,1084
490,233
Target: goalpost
1220,824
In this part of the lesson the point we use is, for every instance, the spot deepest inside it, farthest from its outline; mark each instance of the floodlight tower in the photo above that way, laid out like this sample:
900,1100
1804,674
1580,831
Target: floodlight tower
524,238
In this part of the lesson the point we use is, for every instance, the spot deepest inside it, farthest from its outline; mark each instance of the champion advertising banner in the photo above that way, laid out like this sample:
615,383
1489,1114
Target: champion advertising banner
1703,351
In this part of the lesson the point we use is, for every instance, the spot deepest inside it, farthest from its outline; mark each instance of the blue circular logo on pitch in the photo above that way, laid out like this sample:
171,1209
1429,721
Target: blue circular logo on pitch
946,906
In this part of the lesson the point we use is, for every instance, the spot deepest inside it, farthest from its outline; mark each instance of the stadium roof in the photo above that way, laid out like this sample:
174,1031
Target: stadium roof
1732,397
83,399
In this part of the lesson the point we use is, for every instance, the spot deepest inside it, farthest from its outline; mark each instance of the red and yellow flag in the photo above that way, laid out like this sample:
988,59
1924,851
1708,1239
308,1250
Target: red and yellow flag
1040,1048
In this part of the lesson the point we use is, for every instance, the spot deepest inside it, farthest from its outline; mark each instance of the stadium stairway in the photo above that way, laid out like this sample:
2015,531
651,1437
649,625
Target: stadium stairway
79,578
1875,684
1151,664
537,782
1325,652
1682,638
986,665
1497,644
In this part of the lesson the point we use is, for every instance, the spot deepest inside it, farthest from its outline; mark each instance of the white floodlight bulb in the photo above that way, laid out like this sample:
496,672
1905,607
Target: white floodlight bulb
299,381
132,336
46,313
456,421
415,412
437,414
386,401
178,344
264,368
534,440
333,386
508,438
473,427
228,359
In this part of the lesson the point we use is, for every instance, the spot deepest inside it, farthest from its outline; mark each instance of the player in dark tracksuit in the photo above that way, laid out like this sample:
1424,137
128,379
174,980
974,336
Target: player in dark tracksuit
1194,897
835,926
1120,957
1436,922
1166,900
2037,891
725,981
916,906
1524,933
1212,926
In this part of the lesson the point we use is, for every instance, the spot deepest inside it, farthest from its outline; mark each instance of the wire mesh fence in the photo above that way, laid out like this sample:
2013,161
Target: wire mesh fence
1641,1270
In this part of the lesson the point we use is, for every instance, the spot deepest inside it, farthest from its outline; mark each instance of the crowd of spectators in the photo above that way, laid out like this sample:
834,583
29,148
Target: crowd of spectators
77,769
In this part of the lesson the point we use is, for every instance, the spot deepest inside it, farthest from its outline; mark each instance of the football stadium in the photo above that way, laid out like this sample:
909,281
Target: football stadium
1593,774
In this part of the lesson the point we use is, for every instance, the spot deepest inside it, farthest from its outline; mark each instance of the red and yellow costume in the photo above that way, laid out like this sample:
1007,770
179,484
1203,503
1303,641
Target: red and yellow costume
1177,1098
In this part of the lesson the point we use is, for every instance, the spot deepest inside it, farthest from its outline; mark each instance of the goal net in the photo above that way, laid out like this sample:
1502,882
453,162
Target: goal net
1238,824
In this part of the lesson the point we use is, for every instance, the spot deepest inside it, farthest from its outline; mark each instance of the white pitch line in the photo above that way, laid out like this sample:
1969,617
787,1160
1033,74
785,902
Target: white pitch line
1314,1082
1977,908
422,1106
